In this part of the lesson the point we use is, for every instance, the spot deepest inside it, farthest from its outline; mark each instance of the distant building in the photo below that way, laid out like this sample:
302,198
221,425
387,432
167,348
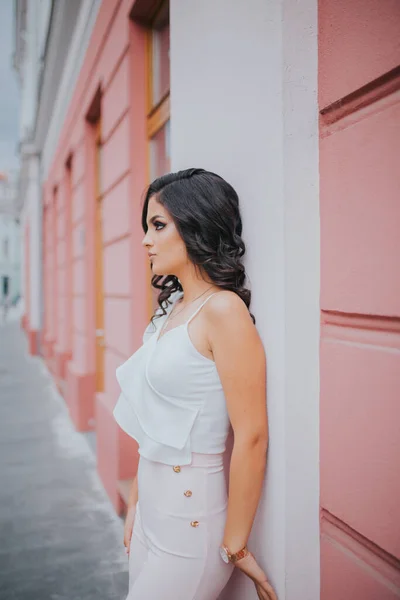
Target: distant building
10,242
297,105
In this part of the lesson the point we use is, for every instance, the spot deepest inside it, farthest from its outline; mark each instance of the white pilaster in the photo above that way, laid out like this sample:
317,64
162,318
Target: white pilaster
244,104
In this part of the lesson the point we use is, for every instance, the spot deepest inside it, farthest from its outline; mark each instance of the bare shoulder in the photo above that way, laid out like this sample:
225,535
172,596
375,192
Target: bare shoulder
232,335
225,308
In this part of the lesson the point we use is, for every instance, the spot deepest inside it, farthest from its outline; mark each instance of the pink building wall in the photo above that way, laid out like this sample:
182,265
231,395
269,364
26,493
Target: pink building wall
48,337
63,276
359,79
114,71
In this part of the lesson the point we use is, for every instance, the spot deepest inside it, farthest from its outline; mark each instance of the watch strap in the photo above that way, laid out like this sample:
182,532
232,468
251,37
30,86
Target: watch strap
238,555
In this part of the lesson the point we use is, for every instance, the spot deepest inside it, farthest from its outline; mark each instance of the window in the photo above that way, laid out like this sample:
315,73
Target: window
153,17
159,152
159,49
158,125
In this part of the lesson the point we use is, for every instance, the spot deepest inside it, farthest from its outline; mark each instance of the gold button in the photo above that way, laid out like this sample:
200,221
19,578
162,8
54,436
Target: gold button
188,493
177,469
195,523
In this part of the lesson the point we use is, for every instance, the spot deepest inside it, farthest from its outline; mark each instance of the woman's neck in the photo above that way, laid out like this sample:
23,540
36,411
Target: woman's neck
193,287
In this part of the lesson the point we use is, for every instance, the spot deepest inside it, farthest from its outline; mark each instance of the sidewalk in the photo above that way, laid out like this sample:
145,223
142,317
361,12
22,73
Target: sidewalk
59,536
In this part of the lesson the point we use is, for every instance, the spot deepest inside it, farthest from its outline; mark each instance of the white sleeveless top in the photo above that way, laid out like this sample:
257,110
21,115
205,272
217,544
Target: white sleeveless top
172,402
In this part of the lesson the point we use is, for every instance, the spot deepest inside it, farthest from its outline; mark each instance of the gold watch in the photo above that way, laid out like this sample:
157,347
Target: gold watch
228,557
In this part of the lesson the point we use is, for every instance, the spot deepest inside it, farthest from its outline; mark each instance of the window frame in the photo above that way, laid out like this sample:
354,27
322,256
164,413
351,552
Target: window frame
156,118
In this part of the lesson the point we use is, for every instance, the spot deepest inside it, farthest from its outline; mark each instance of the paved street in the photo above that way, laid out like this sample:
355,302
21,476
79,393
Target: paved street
59,536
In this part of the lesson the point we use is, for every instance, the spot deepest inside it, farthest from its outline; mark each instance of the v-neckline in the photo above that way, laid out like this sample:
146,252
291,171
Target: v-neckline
159,336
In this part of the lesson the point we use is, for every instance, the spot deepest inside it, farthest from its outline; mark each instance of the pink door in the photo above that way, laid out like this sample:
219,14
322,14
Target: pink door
359,102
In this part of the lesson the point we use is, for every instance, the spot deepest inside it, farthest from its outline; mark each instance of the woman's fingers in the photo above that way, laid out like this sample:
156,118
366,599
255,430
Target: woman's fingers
128,536
261,594
252,569
265,591
127,544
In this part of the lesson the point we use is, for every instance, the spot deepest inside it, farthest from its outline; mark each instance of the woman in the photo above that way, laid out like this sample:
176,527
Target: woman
201,368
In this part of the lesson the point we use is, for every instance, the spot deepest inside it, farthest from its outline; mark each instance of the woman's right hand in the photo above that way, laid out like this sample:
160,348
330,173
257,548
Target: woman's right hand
252,569
128,527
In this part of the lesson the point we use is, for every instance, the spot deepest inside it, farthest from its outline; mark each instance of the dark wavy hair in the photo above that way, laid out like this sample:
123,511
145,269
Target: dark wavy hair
205,209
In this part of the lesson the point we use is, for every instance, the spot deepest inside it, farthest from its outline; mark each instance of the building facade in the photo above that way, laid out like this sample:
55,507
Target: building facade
10,246
128,89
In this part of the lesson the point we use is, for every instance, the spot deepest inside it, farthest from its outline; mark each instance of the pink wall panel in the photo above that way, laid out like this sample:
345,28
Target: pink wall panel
112,360
116,98
356,581
360,445
78,203
358,42
117,272
78,314
76,134
116,211
62,331
118,334
116,44
78,240
78,277
51,295
62,282
60,196
80,351
115,155
61,225
360,192
78,170
62,308
61,253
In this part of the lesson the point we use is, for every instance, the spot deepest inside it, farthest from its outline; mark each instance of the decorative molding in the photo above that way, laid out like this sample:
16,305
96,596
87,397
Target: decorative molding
370,98
367,330
371,556
76,54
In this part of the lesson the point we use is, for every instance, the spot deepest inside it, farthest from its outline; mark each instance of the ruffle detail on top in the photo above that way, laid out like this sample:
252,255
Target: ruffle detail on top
161,424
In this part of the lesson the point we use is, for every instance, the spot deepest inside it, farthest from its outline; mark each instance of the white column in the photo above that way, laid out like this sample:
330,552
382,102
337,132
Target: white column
34,198
244,104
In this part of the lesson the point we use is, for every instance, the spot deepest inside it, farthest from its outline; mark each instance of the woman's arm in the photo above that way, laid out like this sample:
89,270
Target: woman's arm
240,359
247,470
130,514
133,494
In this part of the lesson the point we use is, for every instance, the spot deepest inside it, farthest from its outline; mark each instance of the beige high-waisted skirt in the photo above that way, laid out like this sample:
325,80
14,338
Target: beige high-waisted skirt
179,525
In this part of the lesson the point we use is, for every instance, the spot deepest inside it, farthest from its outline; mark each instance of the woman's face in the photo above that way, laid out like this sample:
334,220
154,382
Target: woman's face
165,246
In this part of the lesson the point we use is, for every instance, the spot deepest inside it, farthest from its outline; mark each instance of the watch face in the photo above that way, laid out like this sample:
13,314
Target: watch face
224,555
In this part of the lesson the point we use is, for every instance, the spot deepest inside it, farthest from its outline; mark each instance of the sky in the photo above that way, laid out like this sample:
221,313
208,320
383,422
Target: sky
9,90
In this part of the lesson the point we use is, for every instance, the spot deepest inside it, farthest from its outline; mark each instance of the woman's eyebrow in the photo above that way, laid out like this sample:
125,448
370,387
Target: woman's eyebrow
154,217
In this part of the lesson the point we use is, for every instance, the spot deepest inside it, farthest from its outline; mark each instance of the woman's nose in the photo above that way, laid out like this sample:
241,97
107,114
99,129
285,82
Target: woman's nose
146,240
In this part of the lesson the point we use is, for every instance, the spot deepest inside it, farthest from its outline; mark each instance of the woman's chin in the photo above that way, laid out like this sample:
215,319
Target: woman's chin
157,271
162,271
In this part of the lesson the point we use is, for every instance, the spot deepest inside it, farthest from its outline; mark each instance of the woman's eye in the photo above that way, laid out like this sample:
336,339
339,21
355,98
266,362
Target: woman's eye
158,225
